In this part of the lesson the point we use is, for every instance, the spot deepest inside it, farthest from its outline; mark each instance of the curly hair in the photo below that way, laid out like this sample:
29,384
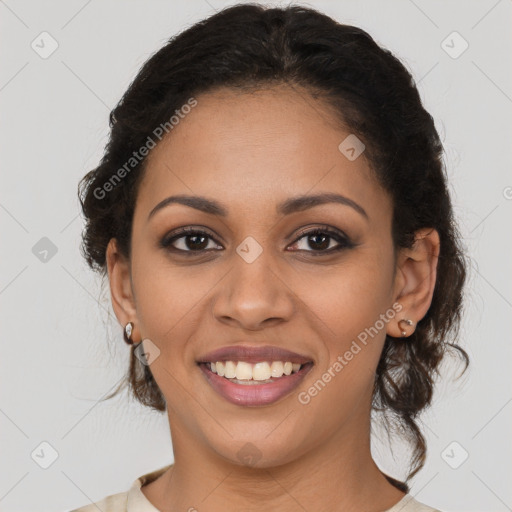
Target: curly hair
371,92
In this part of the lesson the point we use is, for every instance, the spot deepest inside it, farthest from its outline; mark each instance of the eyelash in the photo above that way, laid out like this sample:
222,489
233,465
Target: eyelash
343,241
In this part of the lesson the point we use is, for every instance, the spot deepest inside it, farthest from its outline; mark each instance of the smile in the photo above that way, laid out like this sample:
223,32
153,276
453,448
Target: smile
254,376
258,391
249,373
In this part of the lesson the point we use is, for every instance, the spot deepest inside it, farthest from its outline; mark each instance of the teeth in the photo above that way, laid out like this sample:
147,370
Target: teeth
229,370
260,371
276,369
243,371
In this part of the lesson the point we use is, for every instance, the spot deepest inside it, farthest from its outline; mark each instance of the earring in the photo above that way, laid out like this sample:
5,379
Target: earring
408,322
128,329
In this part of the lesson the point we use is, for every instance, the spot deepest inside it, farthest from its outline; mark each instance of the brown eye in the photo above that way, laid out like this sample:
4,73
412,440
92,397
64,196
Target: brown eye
323,240
188,240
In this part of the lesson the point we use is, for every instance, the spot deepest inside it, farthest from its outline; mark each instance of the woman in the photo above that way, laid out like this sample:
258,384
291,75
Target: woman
273,216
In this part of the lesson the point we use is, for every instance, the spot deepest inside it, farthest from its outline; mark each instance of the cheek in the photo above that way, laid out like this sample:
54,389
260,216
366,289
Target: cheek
170,300
349,306
352,303
349,298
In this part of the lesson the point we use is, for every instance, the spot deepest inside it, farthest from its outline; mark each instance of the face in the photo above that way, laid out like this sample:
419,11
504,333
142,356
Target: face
258,280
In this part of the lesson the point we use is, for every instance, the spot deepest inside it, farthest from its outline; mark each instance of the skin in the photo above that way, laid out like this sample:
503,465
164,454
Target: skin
250,152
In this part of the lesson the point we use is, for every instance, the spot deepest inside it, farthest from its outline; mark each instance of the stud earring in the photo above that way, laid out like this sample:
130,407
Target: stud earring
128,329
408,322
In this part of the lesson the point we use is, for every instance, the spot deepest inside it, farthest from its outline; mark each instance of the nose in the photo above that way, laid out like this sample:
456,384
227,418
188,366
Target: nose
254,295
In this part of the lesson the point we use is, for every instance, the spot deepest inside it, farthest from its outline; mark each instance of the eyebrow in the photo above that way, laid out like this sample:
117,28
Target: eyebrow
294,204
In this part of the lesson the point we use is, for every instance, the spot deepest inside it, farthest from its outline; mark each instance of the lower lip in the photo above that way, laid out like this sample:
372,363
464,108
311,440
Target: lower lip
255,394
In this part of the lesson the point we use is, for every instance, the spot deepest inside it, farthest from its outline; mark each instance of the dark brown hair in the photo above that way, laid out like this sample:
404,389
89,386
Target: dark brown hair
372,93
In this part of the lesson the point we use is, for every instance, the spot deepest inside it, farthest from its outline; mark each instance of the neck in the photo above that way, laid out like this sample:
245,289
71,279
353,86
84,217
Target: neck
338,475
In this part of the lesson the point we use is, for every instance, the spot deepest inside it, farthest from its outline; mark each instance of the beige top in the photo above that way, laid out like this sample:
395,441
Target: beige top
134,500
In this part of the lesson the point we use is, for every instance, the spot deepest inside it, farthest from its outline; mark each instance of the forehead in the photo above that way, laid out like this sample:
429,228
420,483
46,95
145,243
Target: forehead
249,148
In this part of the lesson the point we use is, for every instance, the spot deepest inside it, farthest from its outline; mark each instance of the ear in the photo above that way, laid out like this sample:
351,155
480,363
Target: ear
415,280
121,292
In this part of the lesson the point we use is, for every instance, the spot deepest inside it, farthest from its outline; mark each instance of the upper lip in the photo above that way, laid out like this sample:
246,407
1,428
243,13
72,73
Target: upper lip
251,354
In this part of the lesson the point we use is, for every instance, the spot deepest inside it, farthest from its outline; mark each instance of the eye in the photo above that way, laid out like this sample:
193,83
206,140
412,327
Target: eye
188,240
320,240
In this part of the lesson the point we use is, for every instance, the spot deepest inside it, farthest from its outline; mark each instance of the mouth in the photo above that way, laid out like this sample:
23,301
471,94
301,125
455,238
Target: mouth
254,376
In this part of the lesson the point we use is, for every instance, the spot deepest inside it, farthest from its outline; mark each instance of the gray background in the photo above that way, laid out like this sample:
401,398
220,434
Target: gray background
56,360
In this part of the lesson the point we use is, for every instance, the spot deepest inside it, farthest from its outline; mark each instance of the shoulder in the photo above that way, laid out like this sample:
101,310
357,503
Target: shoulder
113,503
132,500
409,504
